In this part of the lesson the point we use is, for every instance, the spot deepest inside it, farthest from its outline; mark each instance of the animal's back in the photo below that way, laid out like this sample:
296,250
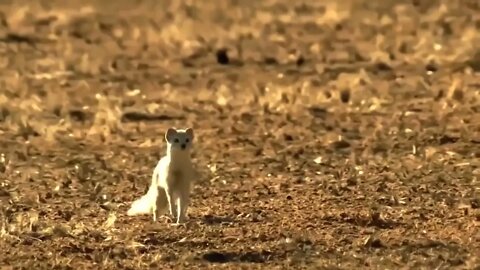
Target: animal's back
162,170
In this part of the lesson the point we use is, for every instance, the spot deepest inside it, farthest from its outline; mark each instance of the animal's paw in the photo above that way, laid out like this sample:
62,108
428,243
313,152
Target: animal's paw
183,224
165,218
182,221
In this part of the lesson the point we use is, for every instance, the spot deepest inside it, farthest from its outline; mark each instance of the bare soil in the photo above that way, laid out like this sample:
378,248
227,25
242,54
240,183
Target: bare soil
329,134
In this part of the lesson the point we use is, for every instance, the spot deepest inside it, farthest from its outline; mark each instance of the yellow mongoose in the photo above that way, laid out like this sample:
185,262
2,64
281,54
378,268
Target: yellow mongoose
171,180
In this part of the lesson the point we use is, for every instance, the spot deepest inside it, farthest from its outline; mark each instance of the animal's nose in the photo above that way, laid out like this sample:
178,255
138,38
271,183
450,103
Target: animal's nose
183,146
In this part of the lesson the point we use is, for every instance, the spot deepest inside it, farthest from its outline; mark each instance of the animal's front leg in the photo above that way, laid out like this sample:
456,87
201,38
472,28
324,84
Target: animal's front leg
162,202
154,212
171,204
182,205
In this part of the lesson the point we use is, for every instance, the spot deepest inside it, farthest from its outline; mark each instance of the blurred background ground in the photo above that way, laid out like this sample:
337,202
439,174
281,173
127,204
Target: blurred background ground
329,134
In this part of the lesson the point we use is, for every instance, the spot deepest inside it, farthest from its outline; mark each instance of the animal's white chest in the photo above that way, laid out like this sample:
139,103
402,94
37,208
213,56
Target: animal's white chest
177,175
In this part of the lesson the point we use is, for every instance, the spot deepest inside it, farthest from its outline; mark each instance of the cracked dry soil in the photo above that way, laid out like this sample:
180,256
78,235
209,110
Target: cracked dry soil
329,134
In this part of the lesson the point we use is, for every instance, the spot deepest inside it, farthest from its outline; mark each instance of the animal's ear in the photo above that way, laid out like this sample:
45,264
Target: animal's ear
189,132
171,132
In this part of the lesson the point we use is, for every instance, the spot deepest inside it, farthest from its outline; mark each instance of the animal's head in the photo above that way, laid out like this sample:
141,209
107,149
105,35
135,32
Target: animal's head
179,139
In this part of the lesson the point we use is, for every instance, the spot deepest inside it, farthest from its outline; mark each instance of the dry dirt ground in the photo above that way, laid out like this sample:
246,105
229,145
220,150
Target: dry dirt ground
329,134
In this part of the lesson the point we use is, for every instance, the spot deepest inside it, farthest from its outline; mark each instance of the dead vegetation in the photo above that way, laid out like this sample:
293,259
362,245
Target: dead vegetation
330,136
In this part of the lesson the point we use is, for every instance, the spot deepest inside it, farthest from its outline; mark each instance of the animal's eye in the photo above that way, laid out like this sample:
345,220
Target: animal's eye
187,140
176,140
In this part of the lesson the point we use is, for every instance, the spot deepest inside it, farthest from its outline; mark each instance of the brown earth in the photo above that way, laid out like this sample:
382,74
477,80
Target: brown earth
329,134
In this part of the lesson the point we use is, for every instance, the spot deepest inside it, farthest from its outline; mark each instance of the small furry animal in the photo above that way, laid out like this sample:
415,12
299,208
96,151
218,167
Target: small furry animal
171,180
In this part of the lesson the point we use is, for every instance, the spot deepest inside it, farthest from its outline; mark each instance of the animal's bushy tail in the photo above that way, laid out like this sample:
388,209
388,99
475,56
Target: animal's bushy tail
154,202
145,204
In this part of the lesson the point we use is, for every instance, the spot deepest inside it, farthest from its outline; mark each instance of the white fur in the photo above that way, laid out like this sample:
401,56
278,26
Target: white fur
171,180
